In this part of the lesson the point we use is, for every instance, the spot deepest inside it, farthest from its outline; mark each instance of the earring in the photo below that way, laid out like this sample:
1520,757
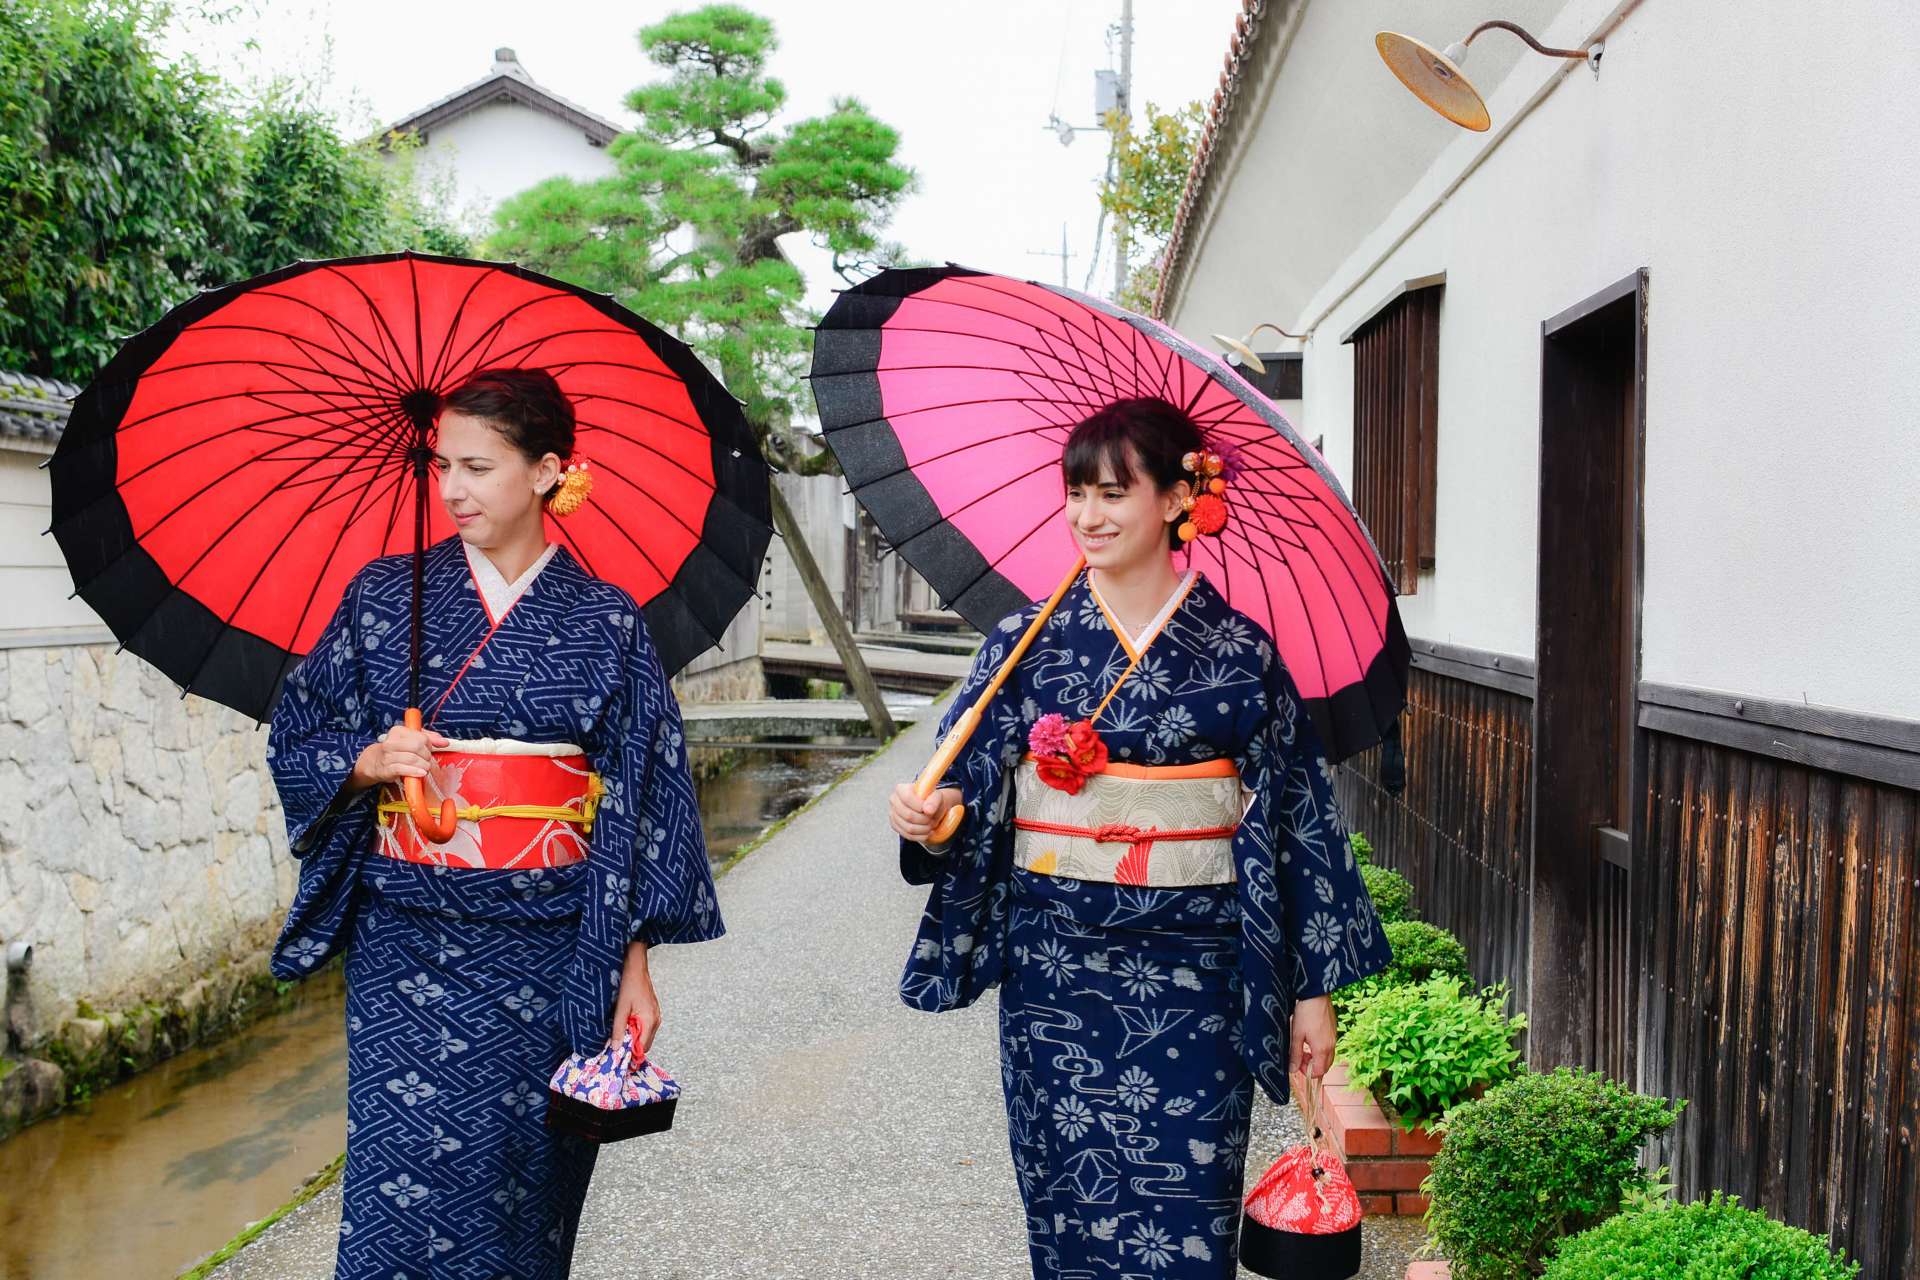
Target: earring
575,485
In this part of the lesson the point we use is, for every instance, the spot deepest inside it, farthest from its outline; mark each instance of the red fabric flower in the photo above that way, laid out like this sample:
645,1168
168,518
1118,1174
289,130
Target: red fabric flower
1060,773
1082,754
1209,514
1084,746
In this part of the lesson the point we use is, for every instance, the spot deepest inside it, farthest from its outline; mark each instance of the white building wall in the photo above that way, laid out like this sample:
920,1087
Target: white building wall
1779,220
34,583
498,150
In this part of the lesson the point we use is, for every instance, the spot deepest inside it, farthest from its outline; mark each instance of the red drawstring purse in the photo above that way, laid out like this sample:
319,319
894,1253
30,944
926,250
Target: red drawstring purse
1301,1221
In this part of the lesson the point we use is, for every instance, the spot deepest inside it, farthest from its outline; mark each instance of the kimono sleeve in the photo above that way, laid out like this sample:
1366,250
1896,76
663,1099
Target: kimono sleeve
670,895
320,725
977,770
1331,933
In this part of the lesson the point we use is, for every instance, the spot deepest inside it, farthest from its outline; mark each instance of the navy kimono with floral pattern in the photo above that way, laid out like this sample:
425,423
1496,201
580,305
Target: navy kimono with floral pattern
468,986
1134,1020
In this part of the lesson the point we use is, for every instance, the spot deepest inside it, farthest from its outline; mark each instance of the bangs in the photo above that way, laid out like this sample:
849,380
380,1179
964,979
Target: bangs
1101,447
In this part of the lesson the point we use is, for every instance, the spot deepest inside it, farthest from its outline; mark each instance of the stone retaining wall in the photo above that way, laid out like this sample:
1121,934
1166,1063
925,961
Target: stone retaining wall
142,849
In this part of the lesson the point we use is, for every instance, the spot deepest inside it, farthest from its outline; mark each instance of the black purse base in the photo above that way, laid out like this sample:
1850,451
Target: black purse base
597,1124
1293,1255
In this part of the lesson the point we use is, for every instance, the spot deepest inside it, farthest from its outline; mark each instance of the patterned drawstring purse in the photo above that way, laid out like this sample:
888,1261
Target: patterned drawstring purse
610,1096
1301,1221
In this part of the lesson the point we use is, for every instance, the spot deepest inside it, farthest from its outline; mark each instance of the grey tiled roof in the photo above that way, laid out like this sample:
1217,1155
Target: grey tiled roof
507,81
33,409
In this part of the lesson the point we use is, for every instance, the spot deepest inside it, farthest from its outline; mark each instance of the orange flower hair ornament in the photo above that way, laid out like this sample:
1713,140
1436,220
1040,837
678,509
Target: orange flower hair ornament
575,485
1207,506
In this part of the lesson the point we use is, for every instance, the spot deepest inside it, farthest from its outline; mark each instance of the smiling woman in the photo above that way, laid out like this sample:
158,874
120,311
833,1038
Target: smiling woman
1152,869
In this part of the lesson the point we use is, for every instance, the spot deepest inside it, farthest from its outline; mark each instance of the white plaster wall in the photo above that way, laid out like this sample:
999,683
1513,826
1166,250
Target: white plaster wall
500,149
1779,219
34,583
823,510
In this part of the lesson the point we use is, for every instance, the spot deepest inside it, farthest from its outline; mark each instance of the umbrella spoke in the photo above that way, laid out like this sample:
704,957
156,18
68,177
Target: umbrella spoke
397,362
380,360
487,358
435,379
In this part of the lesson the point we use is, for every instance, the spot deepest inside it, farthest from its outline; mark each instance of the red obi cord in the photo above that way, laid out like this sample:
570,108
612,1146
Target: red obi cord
1132,868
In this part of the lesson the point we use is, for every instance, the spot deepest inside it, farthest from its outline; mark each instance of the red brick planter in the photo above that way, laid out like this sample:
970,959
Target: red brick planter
1387,1163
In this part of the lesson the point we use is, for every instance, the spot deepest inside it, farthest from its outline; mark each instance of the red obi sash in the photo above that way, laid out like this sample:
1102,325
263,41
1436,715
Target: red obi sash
519,804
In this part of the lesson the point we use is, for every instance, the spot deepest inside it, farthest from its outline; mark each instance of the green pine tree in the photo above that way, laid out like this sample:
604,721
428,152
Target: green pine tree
687,232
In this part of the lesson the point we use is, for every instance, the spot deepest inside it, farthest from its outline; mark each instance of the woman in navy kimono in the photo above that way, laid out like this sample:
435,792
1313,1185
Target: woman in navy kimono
468,984
1145,983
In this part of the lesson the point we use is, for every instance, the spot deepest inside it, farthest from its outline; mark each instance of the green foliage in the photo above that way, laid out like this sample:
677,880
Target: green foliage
1144,186
687,230
119,181
1362,848
1537,1158
128,181
1420,950
1392,893
1711,1239
311,194
1426,1047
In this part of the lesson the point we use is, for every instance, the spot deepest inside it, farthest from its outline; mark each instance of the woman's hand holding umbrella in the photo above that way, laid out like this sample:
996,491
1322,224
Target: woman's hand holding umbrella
917,816
400,753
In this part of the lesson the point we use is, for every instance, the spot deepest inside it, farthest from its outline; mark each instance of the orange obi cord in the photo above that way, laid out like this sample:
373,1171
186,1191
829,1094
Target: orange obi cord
519,805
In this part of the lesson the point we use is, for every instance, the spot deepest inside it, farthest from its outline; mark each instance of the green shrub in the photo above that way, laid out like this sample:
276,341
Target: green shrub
1392,893
1538,1158
1420,951
1428,1046
1362,848
1706,1240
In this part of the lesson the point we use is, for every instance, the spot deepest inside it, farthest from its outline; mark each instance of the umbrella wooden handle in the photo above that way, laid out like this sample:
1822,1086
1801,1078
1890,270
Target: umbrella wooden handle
956,739
929,780
433,830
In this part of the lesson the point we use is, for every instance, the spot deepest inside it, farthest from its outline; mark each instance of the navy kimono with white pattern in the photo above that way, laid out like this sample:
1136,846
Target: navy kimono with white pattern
1134,1020
466,986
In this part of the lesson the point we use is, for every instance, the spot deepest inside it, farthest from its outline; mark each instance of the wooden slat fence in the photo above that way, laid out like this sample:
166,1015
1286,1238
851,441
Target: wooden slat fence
1781,988
1459,830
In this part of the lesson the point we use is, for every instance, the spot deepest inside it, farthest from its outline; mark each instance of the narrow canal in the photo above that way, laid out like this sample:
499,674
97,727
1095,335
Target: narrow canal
159,1171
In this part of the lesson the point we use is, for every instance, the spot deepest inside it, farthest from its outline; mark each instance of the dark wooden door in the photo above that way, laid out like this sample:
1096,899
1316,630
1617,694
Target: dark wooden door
1582,952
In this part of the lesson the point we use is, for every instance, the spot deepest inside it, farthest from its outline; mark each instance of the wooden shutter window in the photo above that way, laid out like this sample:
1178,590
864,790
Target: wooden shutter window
1396,383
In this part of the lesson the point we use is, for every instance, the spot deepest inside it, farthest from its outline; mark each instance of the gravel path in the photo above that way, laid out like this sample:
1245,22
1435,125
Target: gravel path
826,1129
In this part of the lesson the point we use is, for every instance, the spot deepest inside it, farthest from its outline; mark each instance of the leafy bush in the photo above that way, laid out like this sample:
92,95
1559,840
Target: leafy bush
1392,893
1420,951
1428,1046
1362,848
1705,1240
1538,1158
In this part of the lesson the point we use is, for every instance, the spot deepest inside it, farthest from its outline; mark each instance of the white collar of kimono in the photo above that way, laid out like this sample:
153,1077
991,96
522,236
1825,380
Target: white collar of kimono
1139,643
499,594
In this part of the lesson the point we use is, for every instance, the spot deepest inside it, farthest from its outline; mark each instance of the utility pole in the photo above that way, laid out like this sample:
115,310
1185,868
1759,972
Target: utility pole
1061,254
1126,125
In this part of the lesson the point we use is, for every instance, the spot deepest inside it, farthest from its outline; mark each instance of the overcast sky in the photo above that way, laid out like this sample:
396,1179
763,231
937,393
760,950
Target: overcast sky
968,85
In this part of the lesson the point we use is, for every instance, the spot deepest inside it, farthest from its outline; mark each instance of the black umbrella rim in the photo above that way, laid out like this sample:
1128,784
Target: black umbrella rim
152,619
1350,719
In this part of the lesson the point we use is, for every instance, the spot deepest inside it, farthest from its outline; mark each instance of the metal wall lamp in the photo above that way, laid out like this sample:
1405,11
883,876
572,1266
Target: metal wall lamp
1243,347
1437,80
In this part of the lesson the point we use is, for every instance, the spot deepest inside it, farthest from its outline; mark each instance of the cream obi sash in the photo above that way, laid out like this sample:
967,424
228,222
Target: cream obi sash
1157,826
520,804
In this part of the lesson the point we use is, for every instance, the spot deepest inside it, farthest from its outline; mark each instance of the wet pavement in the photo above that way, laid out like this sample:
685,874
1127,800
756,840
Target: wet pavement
825,1130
